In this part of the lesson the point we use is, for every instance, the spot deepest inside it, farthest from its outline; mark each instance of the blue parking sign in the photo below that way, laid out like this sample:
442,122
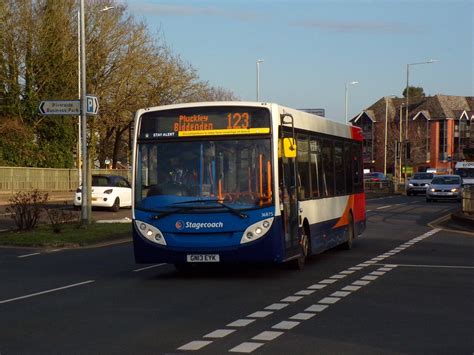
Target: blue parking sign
92,105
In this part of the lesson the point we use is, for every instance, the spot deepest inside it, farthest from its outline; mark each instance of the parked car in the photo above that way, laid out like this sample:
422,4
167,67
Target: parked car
418,183
444,187
109,191
375,177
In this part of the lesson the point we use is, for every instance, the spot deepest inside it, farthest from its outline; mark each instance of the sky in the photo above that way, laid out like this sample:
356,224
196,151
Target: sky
312,48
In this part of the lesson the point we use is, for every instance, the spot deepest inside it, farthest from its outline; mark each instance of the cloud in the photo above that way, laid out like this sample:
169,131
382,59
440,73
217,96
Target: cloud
189,10
358,27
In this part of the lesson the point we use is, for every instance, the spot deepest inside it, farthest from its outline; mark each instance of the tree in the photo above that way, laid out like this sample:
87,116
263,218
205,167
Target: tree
414,91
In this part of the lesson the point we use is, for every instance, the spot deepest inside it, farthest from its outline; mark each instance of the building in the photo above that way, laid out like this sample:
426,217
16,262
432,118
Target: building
439,131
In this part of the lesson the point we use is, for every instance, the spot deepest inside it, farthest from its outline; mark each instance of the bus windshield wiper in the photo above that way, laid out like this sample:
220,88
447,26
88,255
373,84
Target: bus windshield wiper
232,210
175,210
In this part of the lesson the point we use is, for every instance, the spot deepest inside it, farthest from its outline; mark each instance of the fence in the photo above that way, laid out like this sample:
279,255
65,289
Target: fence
13,179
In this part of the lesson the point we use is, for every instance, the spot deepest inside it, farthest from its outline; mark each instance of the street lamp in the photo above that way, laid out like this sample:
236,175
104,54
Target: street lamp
258,78
385,143
86,171
346,94
407,90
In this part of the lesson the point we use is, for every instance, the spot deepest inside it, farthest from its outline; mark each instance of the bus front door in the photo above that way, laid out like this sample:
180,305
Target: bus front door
289,206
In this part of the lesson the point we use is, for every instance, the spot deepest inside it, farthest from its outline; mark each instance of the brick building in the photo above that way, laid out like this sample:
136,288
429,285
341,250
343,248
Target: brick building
440,133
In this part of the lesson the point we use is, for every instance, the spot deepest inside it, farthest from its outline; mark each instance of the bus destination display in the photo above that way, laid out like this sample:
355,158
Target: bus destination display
205,122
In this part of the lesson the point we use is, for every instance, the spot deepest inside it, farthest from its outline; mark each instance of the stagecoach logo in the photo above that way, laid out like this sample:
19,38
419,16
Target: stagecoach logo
179,225
197,225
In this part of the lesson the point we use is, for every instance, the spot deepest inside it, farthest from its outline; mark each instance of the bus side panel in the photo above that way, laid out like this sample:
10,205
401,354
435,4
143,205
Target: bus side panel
268,249
359,212
324,236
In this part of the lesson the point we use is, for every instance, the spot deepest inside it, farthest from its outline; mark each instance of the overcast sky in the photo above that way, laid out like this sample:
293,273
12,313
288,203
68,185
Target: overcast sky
312,48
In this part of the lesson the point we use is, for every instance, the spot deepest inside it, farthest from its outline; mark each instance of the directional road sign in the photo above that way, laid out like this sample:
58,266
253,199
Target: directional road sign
92,104
60,107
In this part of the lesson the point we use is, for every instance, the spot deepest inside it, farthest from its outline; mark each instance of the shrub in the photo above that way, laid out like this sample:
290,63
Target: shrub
26,208
61,216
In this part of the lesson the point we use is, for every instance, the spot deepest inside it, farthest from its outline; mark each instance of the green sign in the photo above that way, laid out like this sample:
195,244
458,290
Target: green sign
407,169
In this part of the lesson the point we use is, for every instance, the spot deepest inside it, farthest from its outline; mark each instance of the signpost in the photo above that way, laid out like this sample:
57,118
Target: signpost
92,105
60,107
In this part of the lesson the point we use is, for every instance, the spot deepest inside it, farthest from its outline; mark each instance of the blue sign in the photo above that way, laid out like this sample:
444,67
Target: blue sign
92,105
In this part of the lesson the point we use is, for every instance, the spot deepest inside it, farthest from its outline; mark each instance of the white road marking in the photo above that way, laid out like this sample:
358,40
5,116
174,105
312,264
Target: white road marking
291,299
329,300
302,316
195,345
360,283
369,278
437,266
339,276
316,308
347,272
219,333
327,281
286,325
383,207
47,291
259,314
377,273
267,335
384,269
340,294
246,347
316,287
351,288
27,255
276,306
304,292
355,268
240,323
148,267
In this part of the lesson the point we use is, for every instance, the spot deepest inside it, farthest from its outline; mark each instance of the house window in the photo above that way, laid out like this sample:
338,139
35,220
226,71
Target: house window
443,140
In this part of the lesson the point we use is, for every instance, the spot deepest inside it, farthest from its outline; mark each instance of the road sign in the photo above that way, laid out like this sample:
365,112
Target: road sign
92,104
60,107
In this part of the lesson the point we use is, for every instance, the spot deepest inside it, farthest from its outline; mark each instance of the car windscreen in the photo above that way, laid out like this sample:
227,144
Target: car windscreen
423,176
444,180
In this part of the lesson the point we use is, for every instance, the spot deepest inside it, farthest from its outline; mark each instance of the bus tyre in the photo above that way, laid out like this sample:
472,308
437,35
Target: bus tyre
116,206
350,234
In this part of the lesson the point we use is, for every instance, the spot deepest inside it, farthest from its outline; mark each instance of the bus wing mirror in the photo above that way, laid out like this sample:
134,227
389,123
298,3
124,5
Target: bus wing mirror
289,147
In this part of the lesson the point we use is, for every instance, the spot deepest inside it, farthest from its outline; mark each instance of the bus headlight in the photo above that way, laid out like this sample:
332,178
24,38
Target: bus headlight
256,230
150,232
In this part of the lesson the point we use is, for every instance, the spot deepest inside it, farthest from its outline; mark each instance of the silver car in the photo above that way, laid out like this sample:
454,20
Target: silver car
445,187
418,183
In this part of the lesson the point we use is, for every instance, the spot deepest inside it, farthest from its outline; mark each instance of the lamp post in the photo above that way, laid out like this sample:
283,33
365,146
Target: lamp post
346,95
386,135
86,170
258,78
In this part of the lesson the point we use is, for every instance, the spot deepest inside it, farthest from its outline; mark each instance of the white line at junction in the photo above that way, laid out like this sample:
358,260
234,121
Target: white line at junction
47,291
148,267
27,255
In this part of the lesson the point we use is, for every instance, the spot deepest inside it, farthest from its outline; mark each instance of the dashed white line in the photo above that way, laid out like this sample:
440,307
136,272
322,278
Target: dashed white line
383,207
340,294
276,306
286,325
195,345
317,287
302,316
246,347
327,281
369,278
360,283
291,299
304,292
351,288
241,323
316,308
148,267
47,291
219,333
259,314
27,255
329,300
267,335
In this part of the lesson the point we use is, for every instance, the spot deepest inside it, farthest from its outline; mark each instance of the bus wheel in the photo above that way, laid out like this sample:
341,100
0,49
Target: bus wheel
350,234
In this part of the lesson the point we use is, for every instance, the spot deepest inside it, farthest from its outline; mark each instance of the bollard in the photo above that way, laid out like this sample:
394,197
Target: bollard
468,199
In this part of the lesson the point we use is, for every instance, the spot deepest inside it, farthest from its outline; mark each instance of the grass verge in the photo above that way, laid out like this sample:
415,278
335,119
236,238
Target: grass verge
72,235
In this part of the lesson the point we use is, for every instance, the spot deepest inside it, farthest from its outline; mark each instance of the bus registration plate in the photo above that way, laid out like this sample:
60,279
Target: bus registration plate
203,258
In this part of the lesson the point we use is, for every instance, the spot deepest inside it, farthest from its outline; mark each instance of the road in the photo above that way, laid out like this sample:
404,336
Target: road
405,288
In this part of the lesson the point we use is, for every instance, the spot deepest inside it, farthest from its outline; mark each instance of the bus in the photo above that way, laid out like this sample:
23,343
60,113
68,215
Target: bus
243,182
465,169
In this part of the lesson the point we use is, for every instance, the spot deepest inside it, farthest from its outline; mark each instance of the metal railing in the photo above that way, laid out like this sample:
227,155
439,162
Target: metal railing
14,179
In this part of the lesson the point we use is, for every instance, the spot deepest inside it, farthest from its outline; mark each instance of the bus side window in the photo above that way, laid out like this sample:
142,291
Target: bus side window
316,167
302,147
328,168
